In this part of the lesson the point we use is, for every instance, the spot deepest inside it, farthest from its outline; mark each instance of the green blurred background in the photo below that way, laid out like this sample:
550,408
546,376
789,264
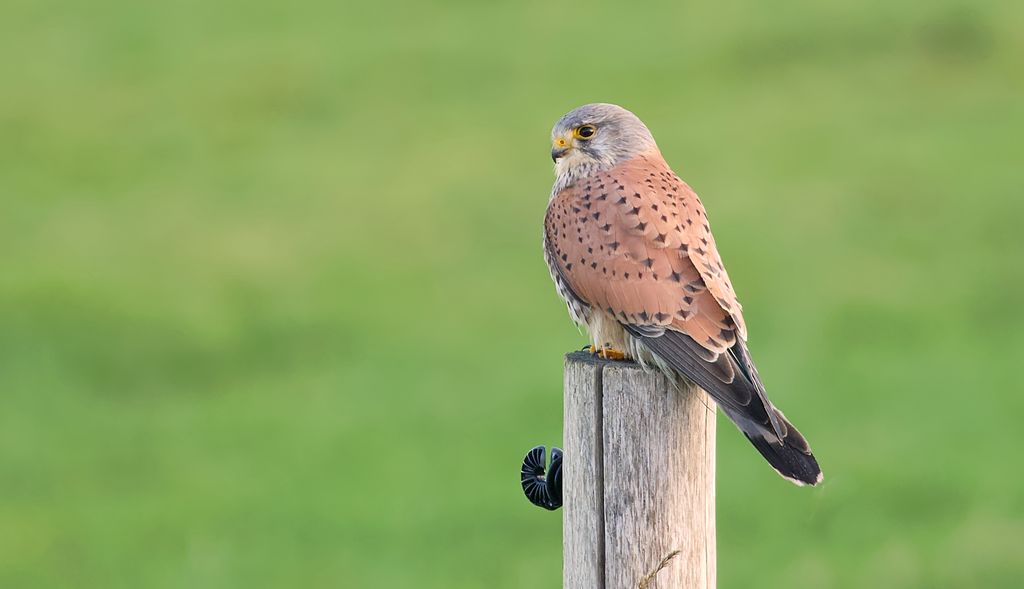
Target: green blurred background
273,311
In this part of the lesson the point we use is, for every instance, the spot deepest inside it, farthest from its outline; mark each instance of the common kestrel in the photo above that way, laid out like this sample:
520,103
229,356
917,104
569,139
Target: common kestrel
631,252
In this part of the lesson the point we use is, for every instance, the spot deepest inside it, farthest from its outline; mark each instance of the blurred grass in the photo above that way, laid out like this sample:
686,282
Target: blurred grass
273,311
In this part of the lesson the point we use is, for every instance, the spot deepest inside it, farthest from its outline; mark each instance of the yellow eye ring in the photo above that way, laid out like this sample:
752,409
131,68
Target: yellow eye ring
584,132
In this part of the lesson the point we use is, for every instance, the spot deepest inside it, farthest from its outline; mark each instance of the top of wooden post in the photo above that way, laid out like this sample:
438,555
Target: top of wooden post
586,357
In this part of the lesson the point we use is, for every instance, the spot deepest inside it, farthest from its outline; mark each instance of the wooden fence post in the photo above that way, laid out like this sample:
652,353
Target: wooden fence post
638,479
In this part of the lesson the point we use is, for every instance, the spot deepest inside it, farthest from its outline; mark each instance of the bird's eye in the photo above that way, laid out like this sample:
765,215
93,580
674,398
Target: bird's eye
585,132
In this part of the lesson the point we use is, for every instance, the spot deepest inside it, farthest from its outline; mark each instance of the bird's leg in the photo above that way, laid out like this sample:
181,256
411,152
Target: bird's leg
607,353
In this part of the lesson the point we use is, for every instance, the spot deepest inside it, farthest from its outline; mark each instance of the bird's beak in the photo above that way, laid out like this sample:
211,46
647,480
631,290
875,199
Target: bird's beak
559,148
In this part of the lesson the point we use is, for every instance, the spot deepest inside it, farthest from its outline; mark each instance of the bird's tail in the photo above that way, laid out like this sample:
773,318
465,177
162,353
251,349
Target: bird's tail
790,456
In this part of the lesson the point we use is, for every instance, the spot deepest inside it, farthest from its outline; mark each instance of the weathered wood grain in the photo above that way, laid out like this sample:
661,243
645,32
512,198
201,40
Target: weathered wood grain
638,481
582,493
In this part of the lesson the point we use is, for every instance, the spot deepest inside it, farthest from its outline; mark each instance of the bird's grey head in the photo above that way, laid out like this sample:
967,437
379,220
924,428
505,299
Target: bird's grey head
596,137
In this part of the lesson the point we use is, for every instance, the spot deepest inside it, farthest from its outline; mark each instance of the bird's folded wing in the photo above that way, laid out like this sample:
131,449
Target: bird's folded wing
634,242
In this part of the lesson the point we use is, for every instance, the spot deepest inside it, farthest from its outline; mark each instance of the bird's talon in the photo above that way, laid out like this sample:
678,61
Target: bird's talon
612,354
607,353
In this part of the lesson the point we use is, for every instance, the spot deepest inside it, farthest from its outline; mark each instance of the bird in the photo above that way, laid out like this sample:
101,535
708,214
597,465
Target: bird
630,250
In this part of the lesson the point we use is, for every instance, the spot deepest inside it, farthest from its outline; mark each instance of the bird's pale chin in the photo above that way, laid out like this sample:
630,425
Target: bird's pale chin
563,164
571,167
571,159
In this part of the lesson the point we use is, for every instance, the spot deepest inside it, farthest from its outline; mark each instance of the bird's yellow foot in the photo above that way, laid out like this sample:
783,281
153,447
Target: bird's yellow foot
608,353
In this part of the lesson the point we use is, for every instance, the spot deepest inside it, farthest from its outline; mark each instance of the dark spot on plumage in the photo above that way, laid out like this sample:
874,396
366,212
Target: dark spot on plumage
604,196
688,300
641,226
644,316
684,248
704,240
689,221
694,286
654,206
621,187
648,262
664,219
660,238
654,276
586,205
576,210
700,251
625,275
568,266
659,316
676,276
711,342
593,265
580,239
597,215
590,250
636,194
621,201
706,227
640,275
614,245
606,226
684,313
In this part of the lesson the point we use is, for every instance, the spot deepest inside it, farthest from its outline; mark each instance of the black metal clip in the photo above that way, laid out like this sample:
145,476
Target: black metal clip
543,491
